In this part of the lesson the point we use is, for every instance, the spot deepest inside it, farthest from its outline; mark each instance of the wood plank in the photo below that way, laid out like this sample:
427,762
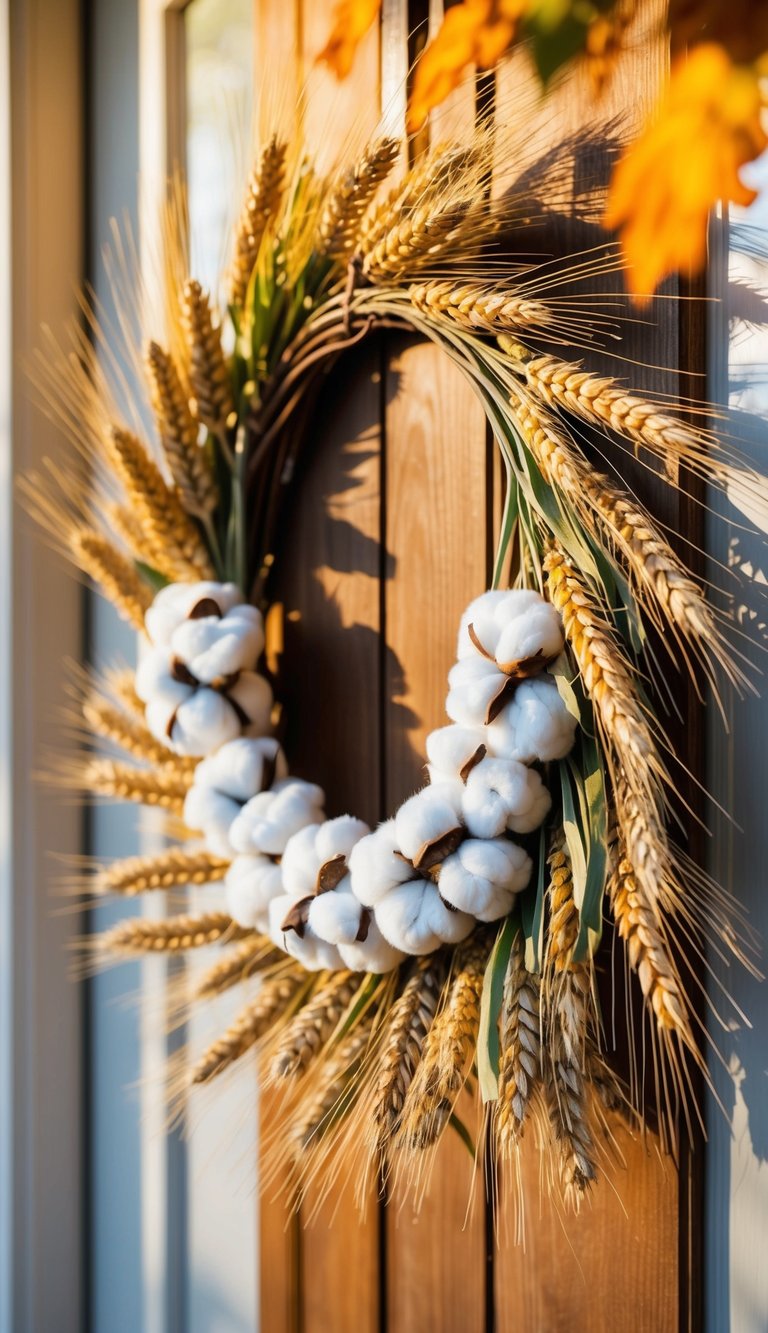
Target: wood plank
617,1263
612,1268
435,465
329,585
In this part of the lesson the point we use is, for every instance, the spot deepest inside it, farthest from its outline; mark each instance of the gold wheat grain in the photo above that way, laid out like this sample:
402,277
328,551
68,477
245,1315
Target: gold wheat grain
255,1020
409,1021
169,935
165,787
262,202
349,200
170,869
477,307
178,430
314,1025
336,1091
519,1046
209,377
115,575
253,954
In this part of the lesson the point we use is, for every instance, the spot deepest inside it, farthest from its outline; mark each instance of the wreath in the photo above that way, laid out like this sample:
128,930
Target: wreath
396,975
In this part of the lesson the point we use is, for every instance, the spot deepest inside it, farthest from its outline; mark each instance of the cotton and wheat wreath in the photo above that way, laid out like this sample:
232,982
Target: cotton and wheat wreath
393,977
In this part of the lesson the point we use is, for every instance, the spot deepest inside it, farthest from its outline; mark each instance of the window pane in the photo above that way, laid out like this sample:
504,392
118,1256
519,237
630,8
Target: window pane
219,89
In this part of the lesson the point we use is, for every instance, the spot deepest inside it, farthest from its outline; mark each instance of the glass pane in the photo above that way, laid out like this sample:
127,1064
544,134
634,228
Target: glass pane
219,89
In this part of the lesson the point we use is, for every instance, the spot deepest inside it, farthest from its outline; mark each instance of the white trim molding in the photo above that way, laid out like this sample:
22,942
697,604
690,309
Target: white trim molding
41,244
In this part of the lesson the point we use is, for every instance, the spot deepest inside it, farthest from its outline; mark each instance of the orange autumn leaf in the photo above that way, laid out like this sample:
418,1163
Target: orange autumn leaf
688,157
477,32
351,21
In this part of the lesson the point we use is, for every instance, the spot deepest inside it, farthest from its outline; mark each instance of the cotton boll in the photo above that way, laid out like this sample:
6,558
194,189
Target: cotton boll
305,946
250,885
414,919
519,629
503,794
427,823
375,865
267,822
474,686
225,781
452,751
318,853
195,720
199,725
535,726
174,603
215,646
483,876
337,916
373,954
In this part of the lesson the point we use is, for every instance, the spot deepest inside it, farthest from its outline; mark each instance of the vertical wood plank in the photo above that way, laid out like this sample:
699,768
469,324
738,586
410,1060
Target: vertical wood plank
435,466
329,584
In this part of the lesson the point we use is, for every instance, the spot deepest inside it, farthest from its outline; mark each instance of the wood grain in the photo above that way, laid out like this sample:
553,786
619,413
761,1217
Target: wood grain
435,466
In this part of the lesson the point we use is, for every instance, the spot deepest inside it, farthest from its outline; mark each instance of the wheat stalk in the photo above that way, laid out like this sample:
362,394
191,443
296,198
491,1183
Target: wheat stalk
336,1091
450,1042
601,401
255,1020
120,520
422,235
568,990
170,869
639,926
519,1045
348,202
262,202
478,307
567,1101
178,551
115,575
401,1048
314,1025
209,377
166,787
190,467
645,839
606,674
253,954
170,935
628,528
128,732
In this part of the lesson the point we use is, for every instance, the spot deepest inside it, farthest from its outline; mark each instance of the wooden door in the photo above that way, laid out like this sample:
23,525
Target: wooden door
390,536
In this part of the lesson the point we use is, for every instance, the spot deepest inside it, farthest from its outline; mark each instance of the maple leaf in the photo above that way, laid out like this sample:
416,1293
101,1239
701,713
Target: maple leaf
351,21
688,156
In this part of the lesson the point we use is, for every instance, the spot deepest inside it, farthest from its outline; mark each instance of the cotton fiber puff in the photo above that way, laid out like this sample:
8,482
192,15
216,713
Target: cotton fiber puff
474,685
519,629
176,602
267,822
315,846
306,947
503,794
225,781
339,918
376,865
415,919
483,876
451,752
373,954
250,884
425,821
196,720
535,726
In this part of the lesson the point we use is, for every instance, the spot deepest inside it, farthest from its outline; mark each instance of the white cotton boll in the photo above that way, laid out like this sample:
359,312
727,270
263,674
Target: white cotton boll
487,617
173,604
503,794
219,646
483,876
426,818
200,725
250,885
473,686
307,948
195,720
375,866
154,682
336,916
314,847
535,726
253,694
513,627
451,750
270,819
225,781
373,954
415,919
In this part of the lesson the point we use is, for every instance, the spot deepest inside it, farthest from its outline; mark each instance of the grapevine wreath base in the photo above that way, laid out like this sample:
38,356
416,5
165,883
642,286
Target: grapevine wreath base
393,977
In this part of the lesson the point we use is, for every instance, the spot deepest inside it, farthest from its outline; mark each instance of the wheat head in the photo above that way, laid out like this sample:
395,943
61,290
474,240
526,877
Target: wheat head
253,954
262,202
209,378
314,1025
164,787
476,307
178,430
115,575
170,935
519,1046
170,869
409,1021
349,201
255,1020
